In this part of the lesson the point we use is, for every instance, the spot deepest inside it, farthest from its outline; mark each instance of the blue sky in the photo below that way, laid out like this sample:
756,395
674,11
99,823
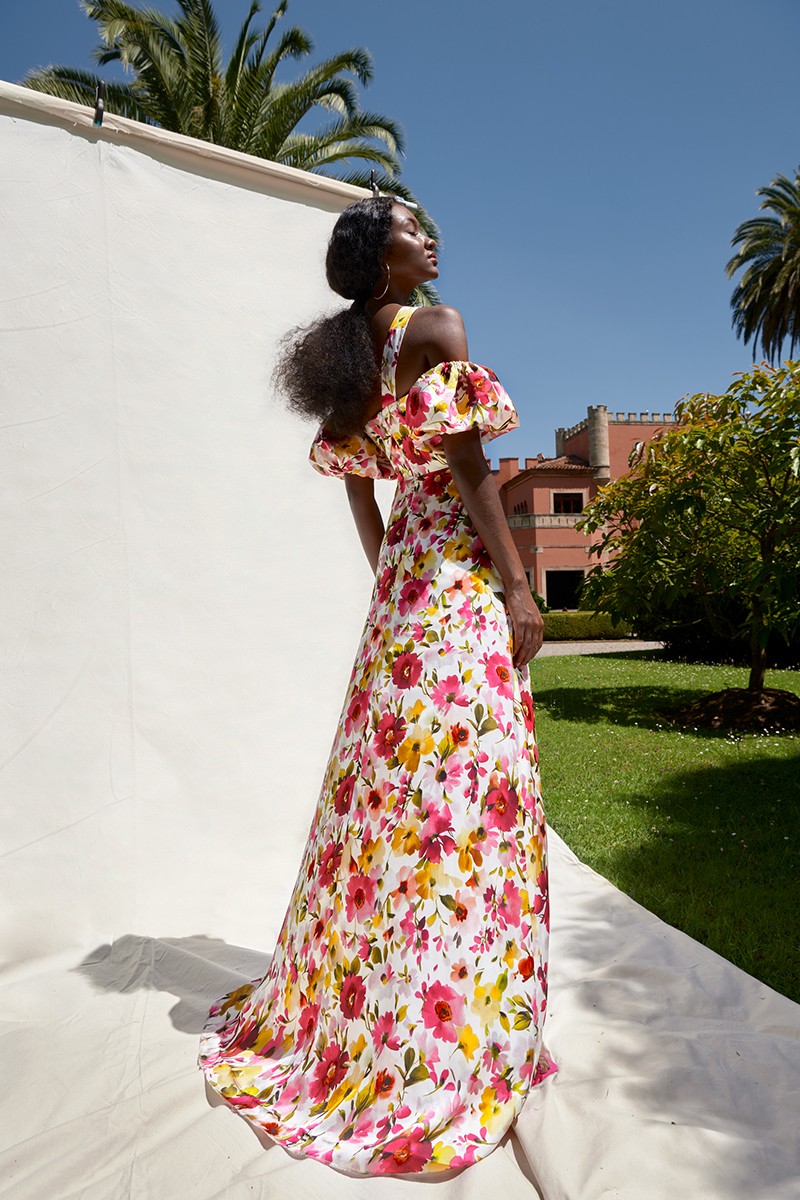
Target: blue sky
587,161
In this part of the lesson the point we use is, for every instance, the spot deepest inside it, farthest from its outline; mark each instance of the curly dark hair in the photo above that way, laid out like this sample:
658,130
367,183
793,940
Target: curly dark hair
328,370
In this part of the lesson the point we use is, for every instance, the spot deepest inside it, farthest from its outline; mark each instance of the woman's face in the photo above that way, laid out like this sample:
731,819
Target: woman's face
411,254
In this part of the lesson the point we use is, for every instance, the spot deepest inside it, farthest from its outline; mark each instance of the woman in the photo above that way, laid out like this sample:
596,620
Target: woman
399,1026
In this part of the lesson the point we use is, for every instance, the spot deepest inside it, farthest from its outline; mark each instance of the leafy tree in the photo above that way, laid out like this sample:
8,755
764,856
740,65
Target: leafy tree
711,510
766,300
181,83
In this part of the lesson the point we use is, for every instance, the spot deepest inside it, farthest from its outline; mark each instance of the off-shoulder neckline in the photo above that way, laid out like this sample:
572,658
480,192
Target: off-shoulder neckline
392,399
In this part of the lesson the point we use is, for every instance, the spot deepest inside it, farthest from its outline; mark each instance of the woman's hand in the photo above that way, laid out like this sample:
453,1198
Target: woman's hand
481,498
527,626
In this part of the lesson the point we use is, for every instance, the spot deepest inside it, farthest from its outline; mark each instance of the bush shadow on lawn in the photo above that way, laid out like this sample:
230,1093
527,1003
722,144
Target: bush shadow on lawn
644,706
723,870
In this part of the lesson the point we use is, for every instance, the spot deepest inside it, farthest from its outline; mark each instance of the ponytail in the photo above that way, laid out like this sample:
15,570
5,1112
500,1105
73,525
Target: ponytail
329,370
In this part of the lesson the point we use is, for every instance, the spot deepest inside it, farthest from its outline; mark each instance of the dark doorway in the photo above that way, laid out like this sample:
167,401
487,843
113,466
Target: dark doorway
563,588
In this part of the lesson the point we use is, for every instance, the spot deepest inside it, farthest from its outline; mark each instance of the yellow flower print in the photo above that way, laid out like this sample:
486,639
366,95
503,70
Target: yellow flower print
357,1046
486,1003
428,879
238,1079
405,839
372,854
418,742
338,1095
491,1109
467,1041
511,955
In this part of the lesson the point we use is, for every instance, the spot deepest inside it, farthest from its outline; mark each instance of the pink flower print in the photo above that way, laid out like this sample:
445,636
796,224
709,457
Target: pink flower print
363,1127
449,692
541,901
408,924
464,905
463,1160
498,674
460,735
352,996
330,1070
406,888
343,795
416,408
307,1023
356,712
447,773
244,1100
413,596
384,1033
360,898
509,905
412,452
436,836
374,800
459,971
460,589
407,669
243,1036
502,805
389,734
442,1011
329,863
396,531
384,1083
525,967
404,1154
527,708
385,584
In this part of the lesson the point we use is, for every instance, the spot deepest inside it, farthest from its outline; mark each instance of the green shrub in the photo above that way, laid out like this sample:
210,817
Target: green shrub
539,602
582,627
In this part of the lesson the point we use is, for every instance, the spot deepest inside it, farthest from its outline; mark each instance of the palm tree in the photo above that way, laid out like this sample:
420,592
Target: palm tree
766,300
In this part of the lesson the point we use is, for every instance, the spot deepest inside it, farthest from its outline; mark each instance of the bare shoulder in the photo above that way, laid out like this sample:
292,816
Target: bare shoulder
440,333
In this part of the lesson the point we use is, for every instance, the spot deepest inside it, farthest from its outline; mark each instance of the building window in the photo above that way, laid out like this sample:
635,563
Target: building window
562,588
567,502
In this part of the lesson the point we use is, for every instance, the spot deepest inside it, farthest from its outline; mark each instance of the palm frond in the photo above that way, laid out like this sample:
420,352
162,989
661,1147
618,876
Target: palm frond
766,300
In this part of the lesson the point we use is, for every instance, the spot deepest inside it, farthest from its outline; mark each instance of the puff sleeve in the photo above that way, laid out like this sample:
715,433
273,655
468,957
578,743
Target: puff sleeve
456,396
356,454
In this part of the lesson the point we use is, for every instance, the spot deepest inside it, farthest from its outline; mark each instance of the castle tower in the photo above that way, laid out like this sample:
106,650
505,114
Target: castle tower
599,456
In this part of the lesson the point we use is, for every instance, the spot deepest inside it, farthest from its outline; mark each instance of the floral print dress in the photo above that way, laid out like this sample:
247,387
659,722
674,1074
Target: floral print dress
399,1026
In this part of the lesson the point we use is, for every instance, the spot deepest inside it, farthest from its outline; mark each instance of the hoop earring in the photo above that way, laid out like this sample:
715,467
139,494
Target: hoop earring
388,279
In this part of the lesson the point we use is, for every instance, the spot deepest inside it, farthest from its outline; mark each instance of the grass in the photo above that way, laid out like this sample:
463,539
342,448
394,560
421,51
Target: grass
699,826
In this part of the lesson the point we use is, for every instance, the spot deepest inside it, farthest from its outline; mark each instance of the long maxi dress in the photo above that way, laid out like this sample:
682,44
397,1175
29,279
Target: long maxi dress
399,1026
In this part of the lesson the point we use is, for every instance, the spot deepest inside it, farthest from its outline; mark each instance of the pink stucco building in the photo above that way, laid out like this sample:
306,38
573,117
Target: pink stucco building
544,498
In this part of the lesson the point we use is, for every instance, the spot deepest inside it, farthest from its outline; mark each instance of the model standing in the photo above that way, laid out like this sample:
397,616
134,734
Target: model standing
399,1027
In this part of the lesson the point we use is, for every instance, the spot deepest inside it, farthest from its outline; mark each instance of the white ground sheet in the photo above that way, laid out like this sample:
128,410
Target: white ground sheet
181,601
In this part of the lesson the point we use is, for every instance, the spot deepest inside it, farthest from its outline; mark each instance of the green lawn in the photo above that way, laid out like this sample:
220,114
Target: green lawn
700,827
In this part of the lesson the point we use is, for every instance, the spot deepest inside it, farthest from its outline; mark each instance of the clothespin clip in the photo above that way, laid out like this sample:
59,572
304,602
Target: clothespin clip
99,102
391,196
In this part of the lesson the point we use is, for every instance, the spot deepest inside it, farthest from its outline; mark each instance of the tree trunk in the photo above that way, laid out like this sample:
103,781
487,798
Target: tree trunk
758,660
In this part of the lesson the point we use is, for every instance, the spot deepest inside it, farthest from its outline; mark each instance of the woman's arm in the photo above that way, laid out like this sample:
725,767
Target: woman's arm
476,485
366,514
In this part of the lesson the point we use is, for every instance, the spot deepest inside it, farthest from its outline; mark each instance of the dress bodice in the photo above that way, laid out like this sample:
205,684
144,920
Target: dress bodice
405,436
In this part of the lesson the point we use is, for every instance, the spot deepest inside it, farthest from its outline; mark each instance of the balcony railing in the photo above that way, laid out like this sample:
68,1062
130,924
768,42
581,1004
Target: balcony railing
543,520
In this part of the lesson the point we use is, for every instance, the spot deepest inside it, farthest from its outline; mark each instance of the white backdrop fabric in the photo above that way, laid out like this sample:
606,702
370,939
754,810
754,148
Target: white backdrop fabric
182,598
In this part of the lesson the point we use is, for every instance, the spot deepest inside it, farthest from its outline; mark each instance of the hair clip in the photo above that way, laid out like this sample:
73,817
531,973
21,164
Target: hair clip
389,195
